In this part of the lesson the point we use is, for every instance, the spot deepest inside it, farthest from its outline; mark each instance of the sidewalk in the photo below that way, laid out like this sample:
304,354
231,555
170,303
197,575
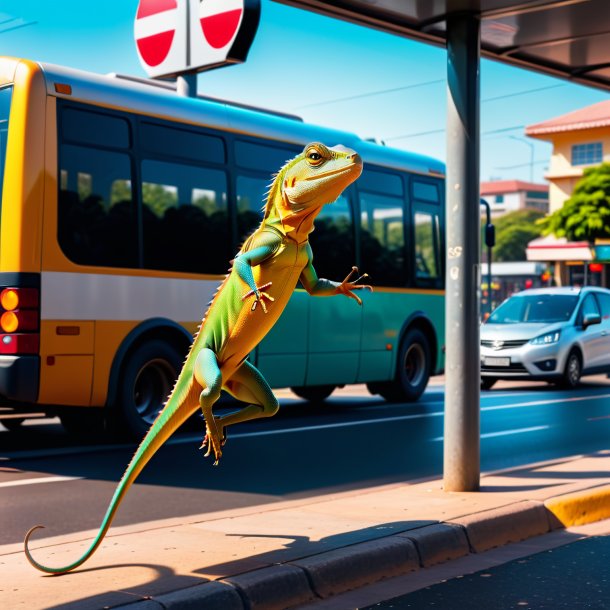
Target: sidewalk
286,554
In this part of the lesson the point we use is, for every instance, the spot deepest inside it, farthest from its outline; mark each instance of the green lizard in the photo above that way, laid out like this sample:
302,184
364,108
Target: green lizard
245,307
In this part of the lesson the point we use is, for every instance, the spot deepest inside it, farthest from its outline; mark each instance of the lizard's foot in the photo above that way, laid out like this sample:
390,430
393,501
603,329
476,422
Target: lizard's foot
346,287
214,437
259,297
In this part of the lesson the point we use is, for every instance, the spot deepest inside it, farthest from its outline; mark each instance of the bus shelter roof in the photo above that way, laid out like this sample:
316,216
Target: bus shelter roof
564,38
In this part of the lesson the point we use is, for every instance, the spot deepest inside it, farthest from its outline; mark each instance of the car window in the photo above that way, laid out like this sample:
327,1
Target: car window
535,308
589,306
604,301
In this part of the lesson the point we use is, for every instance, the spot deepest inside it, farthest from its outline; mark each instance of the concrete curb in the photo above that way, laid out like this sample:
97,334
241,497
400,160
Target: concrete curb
298,582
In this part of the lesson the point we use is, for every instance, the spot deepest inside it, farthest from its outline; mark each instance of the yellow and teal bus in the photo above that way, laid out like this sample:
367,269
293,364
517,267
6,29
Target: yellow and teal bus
122,204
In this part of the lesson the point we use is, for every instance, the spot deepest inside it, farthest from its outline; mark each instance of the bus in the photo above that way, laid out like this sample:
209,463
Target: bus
122,205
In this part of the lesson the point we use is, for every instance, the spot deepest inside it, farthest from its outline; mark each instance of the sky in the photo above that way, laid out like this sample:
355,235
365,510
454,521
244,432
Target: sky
329,72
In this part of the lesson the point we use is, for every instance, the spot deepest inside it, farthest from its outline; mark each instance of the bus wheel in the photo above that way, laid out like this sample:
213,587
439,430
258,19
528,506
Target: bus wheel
148,377
412,369
314,393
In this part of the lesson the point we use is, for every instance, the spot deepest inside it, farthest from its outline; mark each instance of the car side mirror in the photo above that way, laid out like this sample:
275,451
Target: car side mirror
591,318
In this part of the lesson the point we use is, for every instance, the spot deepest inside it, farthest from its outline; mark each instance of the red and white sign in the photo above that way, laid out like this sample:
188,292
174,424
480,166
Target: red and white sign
160,35
218,32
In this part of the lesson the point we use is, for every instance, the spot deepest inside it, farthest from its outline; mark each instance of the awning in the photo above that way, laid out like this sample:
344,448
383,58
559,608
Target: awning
551,248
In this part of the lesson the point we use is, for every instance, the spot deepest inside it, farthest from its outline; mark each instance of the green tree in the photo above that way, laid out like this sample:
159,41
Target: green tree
513,232
585,216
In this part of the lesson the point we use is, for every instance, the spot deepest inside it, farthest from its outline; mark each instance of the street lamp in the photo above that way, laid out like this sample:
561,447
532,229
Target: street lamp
531,154
490,242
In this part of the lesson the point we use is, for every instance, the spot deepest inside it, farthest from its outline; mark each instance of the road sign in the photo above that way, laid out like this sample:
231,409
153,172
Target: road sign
160,35
177,36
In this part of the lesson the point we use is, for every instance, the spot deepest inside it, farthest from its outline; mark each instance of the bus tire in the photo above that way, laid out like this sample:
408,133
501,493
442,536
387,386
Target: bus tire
412,369
314,393
147,378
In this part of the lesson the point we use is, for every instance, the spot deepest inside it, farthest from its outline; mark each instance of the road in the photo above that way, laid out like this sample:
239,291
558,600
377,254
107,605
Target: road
567,577
349,442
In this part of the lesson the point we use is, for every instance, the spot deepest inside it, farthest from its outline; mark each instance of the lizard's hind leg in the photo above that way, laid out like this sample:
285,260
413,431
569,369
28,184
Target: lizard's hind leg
248,385
209,376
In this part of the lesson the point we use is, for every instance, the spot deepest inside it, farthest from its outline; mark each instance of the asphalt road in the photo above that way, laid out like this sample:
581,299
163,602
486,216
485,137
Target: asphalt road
571,577
349,442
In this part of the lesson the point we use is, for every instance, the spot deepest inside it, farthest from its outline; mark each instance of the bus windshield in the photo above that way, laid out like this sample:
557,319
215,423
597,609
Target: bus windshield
5,106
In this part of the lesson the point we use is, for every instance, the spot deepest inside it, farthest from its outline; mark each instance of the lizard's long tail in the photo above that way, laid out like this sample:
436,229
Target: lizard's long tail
182,403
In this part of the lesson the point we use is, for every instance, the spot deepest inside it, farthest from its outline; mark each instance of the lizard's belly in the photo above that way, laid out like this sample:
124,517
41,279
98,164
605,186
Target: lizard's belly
250,325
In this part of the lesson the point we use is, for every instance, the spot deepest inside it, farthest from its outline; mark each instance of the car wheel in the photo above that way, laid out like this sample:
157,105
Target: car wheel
412,369
148,377
487,383
572,370
314,393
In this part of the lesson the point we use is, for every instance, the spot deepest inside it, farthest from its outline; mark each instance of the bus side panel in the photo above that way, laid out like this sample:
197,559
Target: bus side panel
20,236
282,355
385,312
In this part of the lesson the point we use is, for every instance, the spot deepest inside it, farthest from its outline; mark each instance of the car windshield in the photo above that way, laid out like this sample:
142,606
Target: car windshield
535,309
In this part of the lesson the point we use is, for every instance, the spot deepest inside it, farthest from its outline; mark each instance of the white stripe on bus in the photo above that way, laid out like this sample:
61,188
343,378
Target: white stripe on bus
97,296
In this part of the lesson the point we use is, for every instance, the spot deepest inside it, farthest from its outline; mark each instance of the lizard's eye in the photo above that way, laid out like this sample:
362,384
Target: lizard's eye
314,157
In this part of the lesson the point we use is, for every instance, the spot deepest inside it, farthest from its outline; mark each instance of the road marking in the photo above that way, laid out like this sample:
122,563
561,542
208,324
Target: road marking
38,480
16,455
503,432
535,403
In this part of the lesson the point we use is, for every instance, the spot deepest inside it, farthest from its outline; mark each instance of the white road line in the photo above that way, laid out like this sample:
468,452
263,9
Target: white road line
503,432
38,480
544,402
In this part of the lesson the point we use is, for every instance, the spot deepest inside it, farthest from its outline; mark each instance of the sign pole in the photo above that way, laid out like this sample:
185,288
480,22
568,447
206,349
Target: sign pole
186,84
461,469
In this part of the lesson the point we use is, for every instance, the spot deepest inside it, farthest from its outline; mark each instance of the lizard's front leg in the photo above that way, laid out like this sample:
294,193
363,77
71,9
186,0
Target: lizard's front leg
209,376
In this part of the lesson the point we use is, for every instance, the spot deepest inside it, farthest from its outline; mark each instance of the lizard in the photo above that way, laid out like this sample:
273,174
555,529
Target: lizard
263,275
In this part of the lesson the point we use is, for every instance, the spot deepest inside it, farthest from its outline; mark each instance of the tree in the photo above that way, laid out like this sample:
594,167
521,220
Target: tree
585,216
513,232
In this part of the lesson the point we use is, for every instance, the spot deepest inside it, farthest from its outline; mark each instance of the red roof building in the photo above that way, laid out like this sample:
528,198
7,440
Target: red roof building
510,195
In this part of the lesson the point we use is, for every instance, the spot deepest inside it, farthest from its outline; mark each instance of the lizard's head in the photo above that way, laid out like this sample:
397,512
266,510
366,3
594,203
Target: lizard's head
318,176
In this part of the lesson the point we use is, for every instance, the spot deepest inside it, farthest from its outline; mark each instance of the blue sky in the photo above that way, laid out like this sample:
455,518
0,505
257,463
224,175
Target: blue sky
327,71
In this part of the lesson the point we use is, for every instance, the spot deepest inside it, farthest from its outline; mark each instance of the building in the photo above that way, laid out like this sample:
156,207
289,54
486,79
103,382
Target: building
580,139
506,196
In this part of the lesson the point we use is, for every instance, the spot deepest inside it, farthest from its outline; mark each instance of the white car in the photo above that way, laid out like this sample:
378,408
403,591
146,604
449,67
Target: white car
552,334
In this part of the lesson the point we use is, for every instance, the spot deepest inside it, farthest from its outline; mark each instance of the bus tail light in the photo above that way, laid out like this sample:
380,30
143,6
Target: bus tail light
12,321
19,321
19,298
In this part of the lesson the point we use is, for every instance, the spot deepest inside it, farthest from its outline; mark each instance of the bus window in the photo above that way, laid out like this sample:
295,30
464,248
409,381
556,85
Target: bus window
425,191
5,107
185,218
87,127
332,241
426,248
382,228
96,213
251,198
262,157
170,140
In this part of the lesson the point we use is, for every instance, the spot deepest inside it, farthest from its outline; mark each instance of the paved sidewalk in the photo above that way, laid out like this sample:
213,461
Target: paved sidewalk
287,554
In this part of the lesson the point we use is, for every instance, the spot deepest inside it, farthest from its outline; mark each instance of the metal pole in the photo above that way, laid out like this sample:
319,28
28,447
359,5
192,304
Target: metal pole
462,365
186,84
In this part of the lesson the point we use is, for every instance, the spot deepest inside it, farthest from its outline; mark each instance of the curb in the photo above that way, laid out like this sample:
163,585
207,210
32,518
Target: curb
320,576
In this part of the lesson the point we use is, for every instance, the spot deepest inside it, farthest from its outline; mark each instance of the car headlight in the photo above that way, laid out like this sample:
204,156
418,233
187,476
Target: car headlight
547,339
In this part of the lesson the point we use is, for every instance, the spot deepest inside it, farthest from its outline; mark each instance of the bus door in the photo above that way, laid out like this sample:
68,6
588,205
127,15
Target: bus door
335,323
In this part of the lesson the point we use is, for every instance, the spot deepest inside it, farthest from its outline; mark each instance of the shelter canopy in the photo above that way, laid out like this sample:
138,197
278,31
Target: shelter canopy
565,38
